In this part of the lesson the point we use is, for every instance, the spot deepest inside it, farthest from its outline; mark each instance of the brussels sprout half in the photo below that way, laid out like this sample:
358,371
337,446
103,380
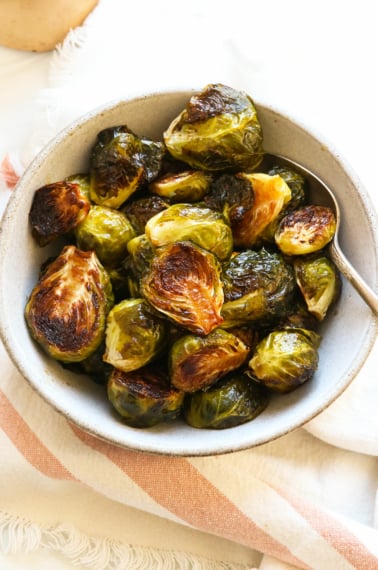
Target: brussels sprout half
144,397
285,359
134,335
305,230
56,210
188,186
319,282
232,401
183,282
218,130
121,162
67,309
199,224
271,194
195,362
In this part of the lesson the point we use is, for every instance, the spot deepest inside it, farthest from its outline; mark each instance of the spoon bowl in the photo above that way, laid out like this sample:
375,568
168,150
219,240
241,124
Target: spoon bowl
319,193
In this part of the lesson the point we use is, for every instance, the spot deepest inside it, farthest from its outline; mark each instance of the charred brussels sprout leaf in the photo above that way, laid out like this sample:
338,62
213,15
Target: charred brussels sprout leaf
201,225
140,210
231,402
187,186
134,335
319,282
218,130
271,193
144,397
305,230
184,283
196,362
107,232
121,162
56,210
67,309
285,359
258,286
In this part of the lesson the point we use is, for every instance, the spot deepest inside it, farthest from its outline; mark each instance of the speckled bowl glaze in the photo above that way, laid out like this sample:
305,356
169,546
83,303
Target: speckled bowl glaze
348,335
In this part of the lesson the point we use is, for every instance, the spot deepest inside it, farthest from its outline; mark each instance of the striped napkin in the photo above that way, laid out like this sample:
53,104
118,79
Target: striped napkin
69,500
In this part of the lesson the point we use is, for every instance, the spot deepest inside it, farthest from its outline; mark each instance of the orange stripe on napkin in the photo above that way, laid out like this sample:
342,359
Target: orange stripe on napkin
177,486
28,444
335,533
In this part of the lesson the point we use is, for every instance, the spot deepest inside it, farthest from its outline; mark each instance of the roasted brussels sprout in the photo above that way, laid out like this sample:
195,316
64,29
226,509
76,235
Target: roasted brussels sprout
319,282
296,183
144,397
107,232
82,180
196,362
230,402
187,186
305,230
258,286
199,224
67,309
141,253
218,130
285,359
140,210
231,194
95,367
184,283
271,194
121,162
56,210
134,335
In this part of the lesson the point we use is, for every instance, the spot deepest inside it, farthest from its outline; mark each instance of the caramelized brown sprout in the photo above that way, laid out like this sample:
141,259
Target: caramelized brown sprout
144,397
285,359
188,186
232,401
305,230
218,130
56,210
184,283
319,282
197,362
199,224
271,194
121,162
134,335
67,309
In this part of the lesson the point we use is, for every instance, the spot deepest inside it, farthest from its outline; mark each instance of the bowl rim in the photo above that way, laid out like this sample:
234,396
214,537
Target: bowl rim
13,351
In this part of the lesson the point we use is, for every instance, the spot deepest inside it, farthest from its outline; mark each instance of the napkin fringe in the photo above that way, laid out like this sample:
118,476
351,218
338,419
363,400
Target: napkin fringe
22,536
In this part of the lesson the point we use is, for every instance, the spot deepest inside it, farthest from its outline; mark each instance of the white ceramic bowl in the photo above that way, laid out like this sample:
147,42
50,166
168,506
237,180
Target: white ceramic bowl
348,335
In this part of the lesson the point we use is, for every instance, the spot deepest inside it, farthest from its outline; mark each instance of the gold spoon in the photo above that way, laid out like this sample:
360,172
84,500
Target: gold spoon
325,197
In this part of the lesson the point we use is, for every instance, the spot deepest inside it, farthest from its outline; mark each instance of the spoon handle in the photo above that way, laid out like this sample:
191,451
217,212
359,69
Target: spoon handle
353,277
